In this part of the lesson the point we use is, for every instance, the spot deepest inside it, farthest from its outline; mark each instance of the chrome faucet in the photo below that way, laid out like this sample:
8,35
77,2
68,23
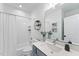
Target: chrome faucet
55,40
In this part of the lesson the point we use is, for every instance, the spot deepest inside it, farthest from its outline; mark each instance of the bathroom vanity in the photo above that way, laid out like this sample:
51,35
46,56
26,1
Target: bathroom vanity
53,49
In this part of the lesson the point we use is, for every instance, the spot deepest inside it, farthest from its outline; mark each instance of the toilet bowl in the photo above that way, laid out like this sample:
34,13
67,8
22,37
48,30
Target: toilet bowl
25,51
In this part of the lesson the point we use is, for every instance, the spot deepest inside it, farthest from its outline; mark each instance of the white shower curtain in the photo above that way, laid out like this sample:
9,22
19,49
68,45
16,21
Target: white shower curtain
7,34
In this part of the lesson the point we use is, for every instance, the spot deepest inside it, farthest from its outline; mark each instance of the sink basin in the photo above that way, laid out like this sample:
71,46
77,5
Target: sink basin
54,47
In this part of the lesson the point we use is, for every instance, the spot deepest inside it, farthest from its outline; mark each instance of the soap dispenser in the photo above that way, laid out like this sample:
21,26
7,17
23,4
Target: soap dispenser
67,47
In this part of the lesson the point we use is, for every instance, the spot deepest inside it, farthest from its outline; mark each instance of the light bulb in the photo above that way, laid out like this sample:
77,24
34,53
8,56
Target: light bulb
20,6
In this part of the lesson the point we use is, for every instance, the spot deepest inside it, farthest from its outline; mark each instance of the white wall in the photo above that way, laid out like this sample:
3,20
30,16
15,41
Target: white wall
23,35
54,15
71,28
37,15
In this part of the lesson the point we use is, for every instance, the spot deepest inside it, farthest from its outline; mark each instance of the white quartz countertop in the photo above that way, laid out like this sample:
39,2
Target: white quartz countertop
54,50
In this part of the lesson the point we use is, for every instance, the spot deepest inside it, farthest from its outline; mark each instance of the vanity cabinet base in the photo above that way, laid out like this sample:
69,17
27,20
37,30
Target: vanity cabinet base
37,52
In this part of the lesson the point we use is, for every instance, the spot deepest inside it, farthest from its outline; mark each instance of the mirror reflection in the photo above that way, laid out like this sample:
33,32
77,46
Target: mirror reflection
62,23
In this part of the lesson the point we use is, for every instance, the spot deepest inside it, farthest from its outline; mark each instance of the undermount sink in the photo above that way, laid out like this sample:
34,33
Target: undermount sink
54,47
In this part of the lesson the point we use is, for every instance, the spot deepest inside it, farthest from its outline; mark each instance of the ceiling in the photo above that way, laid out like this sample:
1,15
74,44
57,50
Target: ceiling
31,7
70,6
28,7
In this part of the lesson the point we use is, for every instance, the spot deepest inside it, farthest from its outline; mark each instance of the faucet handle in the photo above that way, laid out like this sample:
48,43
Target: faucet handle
56,39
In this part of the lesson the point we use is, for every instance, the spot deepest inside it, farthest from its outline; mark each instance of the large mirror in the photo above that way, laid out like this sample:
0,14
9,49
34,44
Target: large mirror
62,23
71,22
53,23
